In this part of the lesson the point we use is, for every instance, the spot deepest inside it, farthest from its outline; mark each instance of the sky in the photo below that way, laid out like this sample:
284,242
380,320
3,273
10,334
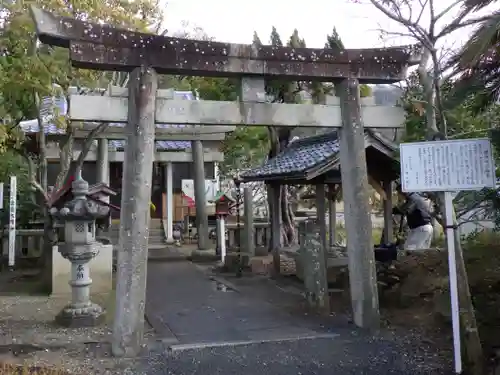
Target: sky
235,20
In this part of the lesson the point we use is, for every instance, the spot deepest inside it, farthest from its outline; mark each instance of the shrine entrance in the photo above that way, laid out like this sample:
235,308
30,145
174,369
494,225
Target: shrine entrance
157,188
142,105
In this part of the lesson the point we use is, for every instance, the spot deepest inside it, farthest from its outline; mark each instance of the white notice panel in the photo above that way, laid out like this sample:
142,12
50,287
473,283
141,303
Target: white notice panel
465,164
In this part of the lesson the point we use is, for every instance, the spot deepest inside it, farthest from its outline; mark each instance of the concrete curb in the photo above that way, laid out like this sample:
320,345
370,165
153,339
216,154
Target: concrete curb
168,258
221,344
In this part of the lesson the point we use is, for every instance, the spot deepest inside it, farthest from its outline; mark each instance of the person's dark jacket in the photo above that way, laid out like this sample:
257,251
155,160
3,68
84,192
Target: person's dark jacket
416,210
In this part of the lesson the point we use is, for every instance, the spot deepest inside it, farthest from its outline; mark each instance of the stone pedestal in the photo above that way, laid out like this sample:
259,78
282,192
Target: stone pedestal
81,312
101,274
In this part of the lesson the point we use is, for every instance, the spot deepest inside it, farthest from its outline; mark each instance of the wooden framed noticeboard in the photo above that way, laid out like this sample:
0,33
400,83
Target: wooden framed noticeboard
455,165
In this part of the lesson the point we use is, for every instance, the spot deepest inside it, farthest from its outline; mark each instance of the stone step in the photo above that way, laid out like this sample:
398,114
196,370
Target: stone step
152,232
155,223
158,241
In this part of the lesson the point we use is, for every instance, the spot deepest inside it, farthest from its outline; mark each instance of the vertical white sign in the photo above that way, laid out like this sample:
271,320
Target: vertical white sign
452,265
12,220
222,238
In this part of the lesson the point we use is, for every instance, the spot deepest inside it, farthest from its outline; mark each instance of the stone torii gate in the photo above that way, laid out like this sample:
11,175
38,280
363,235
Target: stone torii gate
101,47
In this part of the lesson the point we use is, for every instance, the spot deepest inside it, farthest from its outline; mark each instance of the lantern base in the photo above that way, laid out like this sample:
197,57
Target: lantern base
91,316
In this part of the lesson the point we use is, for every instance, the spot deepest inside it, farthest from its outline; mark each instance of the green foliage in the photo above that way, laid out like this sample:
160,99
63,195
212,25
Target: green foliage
12,164
244,148
365,91
28,69
477,61
334,41
462,119
247,147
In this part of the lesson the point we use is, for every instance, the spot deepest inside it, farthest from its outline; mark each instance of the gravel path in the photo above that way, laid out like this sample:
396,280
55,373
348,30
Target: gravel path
347,354
255,307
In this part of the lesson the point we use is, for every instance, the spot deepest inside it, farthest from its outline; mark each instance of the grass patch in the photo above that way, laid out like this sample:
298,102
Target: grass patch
10,369
341,234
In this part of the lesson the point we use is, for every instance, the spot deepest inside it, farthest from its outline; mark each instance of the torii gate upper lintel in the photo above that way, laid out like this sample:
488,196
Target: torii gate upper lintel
103,47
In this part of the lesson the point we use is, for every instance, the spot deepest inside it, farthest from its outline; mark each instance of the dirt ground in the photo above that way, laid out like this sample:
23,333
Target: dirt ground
416,299
419,299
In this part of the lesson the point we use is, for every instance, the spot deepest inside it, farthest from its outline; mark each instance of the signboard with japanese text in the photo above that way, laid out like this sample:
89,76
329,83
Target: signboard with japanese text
465,164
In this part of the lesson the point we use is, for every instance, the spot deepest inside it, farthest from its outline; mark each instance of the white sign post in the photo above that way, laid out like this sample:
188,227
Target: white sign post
448,166
222,236
12,221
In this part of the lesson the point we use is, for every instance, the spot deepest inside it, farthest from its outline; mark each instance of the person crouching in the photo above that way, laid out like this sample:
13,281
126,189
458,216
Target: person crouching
419,220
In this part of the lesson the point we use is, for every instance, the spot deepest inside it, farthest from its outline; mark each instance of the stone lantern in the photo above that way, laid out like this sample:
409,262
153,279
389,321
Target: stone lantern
78,217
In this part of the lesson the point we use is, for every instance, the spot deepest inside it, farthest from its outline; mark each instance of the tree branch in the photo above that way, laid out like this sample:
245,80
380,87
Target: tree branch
458,24
447,9
414,28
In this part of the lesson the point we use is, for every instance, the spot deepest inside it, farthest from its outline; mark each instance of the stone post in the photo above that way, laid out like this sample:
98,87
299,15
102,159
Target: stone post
199,195
249,244
128,325
362,271
314,267
170,202
323,300
80,247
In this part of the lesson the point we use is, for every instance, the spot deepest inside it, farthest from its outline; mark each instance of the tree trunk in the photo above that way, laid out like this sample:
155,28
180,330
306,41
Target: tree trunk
66,157
278,141
48,243
287,218
470,333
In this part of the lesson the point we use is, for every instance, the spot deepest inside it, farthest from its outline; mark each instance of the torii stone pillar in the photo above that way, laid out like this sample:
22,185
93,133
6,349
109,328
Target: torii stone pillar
362,271
199,195
103,161
103,171
128,325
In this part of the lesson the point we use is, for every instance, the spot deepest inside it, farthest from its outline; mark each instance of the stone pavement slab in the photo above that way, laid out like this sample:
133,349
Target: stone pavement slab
183,302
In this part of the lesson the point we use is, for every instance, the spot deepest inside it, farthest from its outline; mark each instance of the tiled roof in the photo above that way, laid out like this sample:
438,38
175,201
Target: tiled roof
299,157
310,154
58,106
